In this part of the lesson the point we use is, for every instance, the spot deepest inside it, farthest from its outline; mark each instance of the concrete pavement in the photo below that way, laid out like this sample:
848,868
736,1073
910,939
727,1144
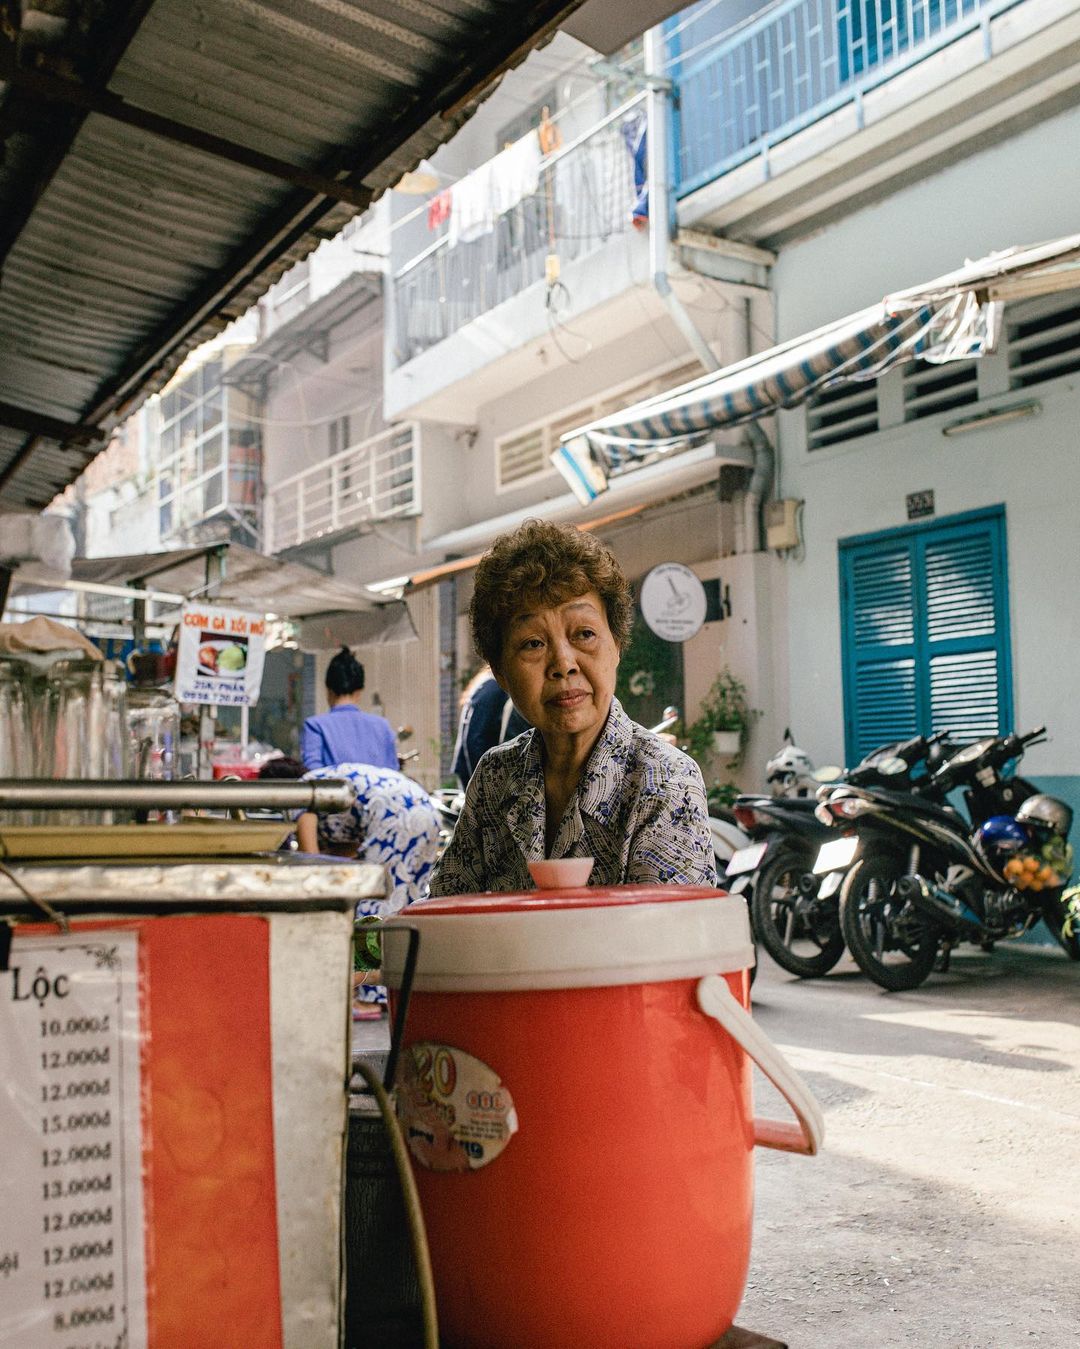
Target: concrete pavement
945,1208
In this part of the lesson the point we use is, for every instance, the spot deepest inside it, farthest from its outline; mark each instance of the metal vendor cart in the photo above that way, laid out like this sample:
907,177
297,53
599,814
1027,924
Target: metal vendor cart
174,1048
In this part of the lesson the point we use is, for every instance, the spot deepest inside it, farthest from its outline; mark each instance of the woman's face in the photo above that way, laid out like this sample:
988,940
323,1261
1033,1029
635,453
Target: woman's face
559,666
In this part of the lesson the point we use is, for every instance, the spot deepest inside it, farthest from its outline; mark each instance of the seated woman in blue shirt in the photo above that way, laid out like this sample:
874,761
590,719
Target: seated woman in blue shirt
345,734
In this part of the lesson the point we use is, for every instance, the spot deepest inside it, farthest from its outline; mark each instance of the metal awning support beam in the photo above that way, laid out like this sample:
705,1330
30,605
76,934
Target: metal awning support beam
115,42
55,89
38,424
298,215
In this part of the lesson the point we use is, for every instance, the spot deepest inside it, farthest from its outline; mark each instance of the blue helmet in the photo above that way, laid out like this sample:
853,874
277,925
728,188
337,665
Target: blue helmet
999,838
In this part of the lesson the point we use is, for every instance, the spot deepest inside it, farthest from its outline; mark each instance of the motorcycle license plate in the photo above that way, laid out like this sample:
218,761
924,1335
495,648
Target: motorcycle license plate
746,859
837,854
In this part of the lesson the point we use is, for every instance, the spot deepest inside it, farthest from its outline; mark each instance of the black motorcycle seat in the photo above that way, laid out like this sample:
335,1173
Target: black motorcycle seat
796,804
913,802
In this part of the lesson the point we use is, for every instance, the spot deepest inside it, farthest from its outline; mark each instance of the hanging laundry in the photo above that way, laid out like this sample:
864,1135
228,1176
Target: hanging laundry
493,189
439,208
634,131
515,172
472,211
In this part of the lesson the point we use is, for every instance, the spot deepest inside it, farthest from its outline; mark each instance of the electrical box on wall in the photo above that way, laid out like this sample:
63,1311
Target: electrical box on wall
781,523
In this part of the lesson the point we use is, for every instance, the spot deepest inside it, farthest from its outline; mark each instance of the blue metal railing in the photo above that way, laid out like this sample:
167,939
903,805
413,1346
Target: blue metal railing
798,61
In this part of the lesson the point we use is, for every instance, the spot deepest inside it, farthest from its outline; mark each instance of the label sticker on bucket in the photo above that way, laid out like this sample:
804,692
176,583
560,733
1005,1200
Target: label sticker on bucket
454,1110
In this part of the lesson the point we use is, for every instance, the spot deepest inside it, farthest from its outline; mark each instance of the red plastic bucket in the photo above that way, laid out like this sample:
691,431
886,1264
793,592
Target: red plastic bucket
580,1124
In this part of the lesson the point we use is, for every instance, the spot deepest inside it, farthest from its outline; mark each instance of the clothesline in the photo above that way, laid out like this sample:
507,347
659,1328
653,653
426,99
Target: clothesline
555,118
470,207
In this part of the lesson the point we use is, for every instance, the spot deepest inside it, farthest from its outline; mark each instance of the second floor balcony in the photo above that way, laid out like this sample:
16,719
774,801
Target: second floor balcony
584,198
848,90
373,480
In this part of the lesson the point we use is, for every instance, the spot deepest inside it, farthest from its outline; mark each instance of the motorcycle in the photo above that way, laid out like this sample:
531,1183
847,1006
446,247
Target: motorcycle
794,906
921,879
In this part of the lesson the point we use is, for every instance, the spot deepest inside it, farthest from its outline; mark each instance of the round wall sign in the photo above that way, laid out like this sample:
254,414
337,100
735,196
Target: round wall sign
673,602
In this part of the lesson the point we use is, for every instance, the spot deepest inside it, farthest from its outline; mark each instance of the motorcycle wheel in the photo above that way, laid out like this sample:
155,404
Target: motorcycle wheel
891,941
801,933
1056,912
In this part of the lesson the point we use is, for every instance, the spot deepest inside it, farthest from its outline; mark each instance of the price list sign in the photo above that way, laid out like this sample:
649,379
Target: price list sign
72,1263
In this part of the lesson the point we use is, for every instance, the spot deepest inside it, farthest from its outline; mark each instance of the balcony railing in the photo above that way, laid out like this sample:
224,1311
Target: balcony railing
377,479
585,198
794,64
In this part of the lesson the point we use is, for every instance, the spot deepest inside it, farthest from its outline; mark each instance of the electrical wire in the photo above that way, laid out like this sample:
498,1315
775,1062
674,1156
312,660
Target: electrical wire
554,322
716,38
54,915
413,1212
288,425
692,19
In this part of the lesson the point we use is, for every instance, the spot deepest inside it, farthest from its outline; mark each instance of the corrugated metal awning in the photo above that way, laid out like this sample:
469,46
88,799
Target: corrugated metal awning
288,589
955,317
162,163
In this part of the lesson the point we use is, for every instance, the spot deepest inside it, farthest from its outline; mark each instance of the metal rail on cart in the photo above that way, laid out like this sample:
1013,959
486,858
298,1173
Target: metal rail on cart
326,796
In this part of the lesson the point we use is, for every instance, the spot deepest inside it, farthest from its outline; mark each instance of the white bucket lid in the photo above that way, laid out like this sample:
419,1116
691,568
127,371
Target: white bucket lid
589,938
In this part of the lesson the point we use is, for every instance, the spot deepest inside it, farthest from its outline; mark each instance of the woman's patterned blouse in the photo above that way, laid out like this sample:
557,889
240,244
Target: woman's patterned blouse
639,809
393,822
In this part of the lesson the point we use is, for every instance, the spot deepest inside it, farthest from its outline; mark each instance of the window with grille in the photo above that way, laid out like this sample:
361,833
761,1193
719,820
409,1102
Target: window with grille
925,624
527,454
522,456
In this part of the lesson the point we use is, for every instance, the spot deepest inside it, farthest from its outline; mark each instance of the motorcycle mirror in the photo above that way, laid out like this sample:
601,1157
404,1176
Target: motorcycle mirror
828,773
892,766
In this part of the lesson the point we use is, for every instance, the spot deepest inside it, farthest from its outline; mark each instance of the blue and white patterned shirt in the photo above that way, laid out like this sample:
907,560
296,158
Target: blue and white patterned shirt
639,810
392,822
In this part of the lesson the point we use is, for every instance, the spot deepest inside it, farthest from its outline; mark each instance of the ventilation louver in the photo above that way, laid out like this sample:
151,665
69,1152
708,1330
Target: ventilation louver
930,389
1044,344
843,413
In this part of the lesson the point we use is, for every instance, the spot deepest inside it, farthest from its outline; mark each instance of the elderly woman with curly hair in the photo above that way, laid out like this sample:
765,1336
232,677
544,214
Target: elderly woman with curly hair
551,614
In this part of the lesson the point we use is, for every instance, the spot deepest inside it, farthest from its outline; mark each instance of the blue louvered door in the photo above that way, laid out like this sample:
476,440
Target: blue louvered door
926,632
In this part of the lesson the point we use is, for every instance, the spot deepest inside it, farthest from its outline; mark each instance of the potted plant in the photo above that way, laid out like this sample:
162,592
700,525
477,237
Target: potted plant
723,721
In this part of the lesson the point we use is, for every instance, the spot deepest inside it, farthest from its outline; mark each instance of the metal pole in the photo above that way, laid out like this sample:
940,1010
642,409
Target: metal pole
327,795
138,619
215,572
658,104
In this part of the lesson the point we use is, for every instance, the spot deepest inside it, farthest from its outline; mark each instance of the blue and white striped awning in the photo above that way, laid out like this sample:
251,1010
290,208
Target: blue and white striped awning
859,347
954,317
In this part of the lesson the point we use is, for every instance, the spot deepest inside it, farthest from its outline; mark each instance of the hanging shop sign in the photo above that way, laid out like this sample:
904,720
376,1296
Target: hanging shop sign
673,602
220,656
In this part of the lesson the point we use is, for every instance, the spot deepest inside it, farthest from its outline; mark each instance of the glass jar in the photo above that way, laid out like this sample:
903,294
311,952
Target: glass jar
154,727
86,732
16,732
16,740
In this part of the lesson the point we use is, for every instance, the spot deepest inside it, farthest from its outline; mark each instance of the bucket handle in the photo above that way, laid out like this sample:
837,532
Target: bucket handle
716,999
